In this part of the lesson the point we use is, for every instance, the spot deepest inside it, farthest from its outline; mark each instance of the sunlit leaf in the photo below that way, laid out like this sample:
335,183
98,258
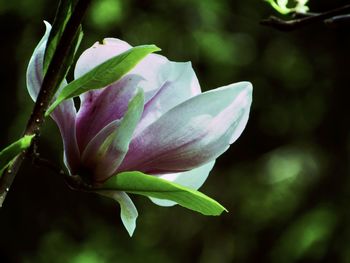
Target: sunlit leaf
282,6
301,6
64,12
152,186
11,151
104,74
62,18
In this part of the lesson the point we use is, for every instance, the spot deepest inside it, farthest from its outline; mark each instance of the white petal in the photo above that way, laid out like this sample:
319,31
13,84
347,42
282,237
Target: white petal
149,68
98,54
35,66
193,133
192,179
181,84
128,211
64,114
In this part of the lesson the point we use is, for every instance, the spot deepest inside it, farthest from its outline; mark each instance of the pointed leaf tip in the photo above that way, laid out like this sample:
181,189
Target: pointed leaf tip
11,151
152,186
104,74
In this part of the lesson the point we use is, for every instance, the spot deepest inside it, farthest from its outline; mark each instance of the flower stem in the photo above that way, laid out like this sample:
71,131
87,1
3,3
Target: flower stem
48,89
289,25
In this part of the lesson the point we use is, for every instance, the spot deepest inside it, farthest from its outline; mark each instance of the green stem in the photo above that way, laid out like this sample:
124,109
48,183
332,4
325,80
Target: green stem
49,86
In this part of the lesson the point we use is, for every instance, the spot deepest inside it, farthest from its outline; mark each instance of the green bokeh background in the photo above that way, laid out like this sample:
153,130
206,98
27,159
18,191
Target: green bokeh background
286,181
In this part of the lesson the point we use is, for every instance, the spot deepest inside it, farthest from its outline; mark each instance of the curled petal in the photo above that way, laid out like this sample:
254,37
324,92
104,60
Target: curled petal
181,84
193,133
107,149
149,68
64,114
192,179
35,66
128,211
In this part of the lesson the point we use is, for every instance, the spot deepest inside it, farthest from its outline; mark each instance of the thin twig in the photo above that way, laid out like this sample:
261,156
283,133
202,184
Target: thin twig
41,162
49,86
289,25
74,182
338,20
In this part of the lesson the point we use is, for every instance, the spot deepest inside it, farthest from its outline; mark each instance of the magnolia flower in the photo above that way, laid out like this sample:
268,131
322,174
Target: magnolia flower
155,119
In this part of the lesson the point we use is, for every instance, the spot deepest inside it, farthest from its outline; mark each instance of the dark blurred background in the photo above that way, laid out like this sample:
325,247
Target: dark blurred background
286,181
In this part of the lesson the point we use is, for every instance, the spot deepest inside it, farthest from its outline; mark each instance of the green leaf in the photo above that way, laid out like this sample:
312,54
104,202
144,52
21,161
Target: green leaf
128,211
281,6
11,151
70,56
64,12
119,139
104,74
152,186
114,146
63,15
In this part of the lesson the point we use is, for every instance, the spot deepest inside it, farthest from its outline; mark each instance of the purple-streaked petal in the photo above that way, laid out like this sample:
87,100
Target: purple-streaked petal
192,179
64,114
107,149
149,68
35,66
98,110
93,161
181,84
193,133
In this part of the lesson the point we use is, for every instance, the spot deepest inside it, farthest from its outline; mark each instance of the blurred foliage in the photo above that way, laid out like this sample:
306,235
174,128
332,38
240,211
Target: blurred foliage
285,181
285,6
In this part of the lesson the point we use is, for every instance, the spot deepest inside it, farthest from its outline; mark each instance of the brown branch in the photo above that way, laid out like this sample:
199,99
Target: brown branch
40,162
338,20
293,24
48,88
74,182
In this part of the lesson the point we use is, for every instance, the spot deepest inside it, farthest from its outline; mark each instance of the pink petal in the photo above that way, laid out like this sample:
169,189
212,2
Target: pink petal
95,163
64,114
192,179
98,109
107,149
193,133
98,54
149,69
181,84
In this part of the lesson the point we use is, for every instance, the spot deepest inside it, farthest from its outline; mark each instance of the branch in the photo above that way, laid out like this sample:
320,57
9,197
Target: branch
48,88
338,20
328,17
74,182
